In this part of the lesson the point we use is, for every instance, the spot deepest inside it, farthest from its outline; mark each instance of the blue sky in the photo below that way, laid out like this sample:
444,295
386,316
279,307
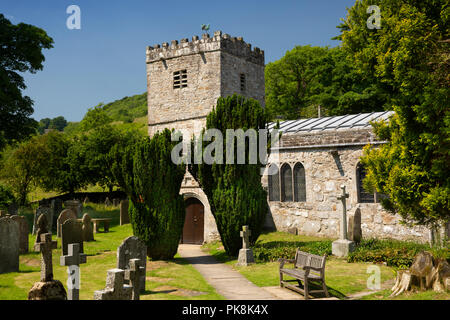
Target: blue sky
105,60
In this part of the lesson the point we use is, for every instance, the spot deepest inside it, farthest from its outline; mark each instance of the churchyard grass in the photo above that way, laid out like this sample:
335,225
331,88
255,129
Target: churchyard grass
343,279
171,280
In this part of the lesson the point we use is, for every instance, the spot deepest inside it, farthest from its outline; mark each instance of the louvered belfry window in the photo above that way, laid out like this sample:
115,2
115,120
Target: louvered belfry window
243,84
180,79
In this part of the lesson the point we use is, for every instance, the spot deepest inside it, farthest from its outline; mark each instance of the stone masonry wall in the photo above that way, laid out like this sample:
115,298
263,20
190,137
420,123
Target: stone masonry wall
324,173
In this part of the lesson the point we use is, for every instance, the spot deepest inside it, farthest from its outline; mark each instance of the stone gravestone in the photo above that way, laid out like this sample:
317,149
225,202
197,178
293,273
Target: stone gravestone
293,231
246,253
124,217
133,276
41,227
115,287
13,209
116,202
132,248
57,207
108,202
72,232
67,214
354,226
73,261
48,212
9,245
75,205
343,246
23,233
87,228
47,288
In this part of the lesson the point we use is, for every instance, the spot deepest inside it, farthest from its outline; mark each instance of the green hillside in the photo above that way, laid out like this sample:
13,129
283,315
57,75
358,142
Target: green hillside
126,112
128,108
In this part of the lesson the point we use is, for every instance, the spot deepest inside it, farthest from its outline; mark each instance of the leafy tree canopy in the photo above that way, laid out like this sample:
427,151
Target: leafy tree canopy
20,51
409,55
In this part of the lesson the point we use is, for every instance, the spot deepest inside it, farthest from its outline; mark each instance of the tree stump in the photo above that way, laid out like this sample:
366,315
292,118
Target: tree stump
426,272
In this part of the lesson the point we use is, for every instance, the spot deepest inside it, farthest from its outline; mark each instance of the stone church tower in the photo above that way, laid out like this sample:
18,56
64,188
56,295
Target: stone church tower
186,78
184,81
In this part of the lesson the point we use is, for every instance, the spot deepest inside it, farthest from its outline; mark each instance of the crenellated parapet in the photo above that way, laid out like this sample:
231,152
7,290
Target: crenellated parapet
219,41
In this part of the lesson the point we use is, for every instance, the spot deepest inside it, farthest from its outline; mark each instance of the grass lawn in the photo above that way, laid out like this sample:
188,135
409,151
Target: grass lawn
168,280
342,278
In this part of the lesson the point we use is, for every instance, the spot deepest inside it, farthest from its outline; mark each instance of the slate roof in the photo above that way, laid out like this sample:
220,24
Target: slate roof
351,121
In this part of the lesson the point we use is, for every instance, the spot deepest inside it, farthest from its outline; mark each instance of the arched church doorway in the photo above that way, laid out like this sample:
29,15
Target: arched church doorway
194,222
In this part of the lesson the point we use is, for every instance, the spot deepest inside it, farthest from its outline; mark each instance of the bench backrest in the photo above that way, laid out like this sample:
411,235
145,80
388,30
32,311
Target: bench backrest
304,259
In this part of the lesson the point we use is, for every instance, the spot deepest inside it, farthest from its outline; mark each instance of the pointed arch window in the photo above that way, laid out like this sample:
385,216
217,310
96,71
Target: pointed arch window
286,183
363,195
299,183
274,183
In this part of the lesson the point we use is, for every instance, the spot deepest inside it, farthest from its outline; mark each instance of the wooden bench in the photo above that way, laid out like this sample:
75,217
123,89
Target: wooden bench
97,222
309,268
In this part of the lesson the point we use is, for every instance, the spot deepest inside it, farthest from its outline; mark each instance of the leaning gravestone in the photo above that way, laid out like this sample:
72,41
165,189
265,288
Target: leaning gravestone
115,287
47,211
72,232
9,245
23,233
67,214
75,205
354,226
87,228
133,276
124,217
133,248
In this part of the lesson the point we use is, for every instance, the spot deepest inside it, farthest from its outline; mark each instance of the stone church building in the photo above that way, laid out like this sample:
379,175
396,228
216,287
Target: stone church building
315,156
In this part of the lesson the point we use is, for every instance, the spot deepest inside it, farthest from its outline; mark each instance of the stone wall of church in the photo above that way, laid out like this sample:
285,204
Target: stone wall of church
325,171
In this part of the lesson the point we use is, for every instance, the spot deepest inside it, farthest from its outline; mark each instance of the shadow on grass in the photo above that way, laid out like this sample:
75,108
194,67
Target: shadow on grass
332,292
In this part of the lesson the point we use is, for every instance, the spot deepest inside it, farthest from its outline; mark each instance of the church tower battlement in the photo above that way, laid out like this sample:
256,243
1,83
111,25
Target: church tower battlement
185,79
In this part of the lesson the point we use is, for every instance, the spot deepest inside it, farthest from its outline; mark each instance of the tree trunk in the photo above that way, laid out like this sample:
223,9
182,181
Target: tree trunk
425,273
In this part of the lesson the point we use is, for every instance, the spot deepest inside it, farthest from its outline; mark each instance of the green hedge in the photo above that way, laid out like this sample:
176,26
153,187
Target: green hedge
272,251
398,254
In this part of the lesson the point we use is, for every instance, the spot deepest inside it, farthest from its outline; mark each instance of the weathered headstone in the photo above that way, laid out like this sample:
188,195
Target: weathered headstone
13,209
67,214
354,226
133,276
115,287
73,261
71,233
343,246
246,253
87,228
133,248
57,207
75,205
124,217
47,288
9,245
41,227
116,202
292,230
48,212
108,202
23,233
